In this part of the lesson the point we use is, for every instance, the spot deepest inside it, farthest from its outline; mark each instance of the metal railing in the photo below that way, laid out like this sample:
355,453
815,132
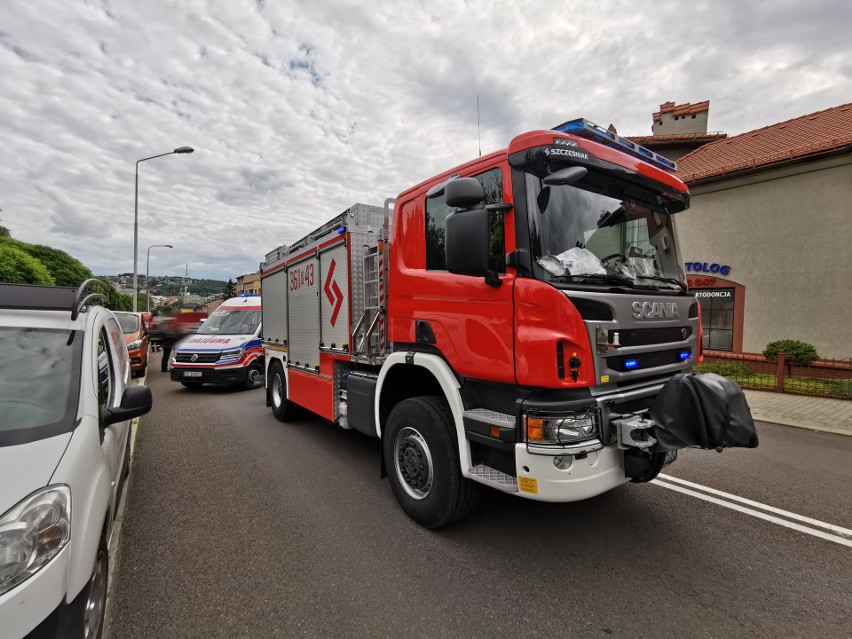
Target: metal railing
830,378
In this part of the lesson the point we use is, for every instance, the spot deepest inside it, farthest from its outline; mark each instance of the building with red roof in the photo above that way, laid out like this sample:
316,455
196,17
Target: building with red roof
772,210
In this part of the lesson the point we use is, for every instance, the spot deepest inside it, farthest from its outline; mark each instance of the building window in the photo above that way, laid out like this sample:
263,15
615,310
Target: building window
436,225
717,318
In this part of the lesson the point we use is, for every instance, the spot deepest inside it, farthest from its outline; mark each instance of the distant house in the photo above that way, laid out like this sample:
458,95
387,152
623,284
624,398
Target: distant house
768,238
248,284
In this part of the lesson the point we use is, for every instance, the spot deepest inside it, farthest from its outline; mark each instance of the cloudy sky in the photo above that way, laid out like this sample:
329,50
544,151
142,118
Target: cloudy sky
298,109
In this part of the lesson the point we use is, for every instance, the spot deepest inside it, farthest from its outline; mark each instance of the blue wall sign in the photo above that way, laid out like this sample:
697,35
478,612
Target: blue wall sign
704,267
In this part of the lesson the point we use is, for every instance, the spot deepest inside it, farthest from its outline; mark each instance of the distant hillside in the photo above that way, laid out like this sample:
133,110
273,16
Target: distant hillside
169,284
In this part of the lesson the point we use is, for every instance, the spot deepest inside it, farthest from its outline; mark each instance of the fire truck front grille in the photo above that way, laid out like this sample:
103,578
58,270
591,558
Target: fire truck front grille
200,358
643,336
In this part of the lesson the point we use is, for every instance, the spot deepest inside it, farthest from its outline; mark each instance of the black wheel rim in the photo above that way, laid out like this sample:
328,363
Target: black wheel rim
413,463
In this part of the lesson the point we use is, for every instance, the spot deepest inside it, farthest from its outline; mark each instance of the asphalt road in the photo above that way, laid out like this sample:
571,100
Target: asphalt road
240,526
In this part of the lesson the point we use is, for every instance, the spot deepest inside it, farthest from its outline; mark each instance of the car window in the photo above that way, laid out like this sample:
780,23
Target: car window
118,347
106,371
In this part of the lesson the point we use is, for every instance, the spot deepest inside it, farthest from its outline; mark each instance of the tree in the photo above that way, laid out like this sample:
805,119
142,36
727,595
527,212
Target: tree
230,289
17,267
64,269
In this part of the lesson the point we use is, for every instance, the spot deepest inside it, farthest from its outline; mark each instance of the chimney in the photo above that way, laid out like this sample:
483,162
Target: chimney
681,119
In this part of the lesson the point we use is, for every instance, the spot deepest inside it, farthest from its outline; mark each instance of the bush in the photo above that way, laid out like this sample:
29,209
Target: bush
17,267
731,370
796,353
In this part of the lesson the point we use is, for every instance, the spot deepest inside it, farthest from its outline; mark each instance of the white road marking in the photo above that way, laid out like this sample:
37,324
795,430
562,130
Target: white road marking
839,535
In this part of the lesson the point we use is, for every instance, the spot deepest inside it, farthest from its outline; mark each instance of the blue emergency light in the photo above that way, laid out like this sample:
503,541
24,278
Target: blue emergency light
591,131
630,364
684,355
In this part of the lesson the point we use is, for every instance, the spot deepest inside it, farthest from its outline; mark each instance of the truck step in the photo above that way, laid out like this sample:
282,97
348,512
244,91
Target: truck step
494,478
490,417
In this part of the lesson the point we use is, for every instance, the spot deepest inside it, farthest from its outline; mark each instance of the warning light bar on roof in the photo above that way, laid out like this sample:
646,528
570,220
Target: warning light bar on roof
585,129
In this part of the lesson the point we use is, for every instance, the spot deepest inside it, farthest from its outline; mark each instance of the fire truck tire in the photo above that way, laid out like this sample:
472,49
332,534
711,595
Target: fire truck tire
422,459
283,409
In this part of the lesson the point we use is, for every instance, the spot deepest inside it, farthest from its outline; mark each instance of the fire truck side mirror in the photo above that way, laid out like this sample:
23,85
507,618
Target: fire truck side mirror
466,242
464,193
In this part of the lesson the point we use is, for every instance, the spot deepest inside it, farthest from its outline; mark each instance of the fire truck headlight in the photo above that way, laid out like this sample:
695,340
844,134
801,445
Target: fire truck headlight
561,429
233,353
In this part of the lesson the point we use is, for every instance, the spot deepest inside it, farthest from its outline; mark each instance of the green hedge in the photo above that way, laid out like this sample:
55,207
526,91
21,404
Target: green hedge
796,353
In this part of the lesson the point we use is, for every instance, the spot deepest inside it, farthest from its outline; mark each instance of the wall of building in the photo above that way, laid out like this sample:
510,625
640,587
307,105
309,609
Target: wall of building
787,236
248,284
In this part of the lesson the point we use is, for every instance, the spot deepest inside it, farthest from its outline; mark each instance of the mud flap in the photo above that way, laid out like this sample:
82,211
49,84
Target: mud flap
702,411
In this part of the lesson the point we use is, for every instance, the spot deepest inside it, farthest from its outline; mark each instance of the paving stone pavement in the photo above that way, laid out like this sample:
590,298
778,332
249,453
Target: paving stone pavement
814,413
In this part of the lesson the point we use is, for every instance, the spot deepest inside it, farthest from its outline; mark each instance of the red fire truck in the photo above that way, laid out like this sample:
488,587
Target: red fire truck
514,322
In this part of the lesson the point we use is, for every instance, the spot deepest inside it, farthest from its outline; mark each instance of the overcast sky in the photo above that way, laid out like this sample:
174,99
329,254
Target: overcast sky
298,109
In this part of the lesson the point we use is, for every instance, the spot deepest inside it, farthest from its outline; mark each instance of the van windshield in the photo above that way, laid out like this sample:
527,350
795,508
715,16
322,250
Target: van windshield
231,321
39,383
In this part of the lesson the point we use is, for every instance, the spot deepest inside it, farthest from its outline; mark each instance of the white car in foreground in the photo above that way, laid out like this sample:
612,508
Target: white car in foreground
65,411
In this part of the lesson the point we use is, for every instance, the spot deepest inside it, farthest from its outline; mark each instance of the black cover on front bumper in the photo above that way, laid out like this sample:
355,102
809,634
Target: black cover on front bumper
211,375
702,411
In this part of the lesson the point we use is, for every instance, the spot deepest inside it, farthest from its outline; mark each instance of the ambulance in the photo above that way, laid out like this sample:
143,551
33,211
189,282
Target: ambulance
226,349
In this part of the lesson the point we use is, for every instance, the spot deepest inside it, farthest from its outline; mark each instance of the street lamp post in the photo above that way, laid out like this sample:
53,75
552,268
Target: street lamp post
180,149
148,271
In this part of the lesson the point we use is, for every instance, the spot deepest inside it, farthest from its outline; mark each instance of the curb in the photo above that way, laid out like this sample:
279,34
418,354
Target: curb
115,556
780,421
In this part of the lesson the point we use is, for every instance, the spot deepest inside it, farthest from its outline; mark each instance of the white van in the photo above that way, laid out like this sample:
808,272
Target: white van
226,349
65,408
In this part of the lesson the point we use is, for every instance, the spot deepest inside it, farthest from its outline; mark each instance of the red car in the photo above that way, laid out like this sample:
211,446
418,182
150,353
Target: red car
135,330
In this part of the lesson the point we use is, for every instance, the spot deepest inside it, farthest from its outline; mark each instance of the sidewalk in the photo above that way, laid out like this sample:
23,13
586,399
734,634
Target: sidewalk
813,413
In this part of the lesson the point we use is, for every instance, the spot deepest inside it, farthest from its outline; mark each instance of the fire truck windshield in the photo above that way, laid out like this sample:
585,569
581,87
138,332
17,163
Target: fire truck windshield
603,230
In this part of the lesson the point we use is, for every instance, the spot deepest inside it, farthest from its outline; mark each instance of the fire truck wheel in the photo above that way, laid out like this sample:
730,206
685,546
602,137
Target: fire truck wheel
283,409
422,459
254,376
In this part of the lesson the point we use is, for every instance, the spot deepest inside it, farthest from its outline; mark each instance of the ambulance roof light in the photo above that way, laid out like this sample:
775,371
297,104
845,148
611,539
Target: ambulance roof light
585,129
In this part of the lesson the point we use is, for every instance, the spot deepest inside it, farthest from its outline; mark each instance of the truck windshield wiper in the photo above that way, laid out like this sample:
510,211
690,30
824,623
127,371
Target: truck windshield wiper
669,280
602,276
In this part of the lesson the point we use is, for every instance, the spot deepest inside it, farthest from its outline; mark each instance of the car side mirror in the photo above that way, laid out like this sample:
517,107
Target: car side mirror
135,402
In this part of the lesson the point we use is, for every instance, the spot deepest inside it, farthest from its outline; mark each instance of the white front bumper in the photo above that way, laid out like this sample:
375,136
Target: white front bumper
539,479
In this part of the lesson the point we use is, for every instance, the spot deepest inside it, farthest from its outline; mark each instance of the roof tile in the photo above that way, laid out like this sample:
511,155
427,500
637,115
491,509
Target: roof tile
806,135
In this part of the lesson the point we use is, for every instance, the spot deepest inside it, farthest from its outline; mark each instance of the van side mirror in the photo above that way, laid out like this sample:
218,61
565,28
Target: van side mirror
136,401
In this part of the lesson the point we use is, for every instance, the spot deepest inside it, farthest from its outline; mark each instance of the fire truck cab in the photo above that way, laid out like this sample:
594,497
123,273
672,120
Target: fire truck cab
508,323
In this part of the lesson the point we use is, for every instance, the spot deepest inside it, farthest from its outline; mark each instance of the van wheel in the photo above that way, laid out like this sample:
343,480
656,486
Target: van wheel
422,459
254,376
283,409
86,612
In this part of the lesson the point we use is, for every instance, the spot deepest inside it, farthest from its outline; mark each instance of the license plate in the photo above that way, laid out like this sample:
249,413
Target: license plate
192,373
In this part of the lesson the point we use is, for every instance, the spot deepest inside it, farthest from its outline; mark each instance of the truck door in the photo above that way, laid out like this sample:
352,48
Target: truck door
303,308
469,321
